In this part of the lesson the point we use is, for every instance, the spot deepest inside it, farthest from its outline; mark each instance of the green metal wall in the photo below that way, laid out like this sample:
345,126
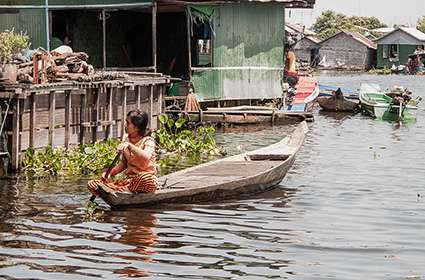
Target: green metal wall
247,53
404,51
30,22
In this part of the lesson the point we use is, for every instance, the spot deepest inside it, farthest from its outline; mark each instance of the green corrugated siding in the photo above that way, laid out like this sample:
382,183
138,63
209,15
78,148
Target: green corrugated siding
207,84
247,35
30,22
404,51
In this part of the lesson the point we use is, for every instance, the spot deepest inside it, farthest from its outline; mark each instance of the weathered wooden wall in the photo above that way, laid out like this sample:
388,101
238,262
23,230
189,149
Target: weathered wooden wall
342,51
76,114
303,49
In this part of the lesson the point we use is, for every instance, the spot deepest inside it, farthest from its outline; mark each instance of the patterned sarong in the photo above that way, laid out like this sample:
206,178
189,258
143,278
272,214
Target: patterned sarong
141,183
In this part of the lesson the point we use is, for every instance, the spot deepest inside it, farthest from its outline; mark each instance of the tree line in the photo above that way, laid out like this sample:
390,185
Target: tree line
330,23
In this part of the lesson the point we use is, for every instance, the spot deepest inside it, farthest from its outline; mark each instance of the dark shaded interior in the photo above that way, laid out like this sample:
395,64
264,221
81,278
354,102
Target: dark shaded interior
128,35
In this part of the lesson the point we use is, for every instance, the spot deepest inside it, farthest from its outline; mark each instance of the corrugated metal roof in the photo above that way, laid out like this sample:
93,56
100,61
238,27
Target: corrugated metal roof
362,39
356,36
78,4
314,39
415,33
290,27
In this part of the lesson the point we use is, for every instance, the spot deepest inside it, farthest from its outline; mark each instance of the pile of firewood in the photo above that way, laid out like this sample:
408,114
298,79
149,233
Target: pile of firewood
54,67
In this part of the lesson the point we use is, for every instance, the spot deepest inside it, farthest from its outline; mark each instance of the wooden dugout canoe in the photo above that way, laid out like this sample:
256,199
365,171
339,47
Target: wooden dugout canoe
337,102
237,175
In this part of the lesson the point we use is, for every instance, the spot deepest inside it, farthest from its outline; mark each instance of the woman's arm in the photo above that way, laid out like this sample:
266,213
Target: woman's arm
122,165
128,149
145,153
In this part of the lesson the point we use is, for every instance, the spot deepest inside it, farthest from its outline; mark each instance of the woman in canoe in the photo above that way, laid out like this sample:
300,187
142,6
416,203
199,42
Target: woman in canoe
137,159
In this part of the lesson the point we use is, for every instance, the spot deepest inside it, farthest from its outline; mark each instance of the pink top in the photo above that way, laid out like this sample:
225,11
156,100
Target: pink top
136,165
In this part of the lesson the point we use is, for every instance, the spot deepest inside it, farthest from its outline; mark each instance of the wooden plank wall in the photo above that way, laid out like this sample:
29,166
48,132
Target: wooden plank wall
71,117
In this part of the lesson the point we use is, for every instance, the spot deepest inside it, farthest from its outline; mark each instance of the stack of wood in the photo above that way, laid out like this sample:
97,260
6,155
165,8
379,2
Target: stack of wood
54,67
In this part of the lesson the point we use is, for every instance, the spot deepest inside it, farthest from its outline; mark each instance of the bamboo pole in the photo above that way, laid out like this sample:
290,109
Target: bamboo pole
154,55
188,24
104,38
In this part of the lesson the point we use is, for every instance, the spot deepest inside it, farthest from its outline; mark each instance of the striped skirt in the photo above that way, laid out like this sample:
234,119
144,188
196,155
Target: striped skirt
141,183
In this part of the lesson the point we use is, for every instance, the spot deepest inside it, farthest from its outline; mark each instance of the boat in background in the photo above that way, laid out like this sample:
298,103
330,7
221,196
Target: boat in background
304,96
337,102
375,103
326,90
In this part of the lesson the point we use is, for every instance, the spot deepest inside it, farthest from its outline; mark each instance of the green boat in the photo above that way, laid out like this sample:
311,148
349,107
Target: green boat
377,104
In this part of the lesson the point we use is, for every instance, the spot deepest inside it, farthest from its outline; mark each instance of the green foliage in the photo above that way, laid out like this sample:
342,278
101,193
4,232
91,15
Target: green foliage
330,23
12,44
87,159
173,138
90,213
420,25
178,147
383,71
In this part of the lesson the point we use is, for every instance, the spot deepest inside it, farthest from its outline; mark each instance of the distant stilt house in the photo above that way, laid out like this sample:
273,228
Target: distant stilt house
307,50
395,46
347,50
305,43
297,32
229,50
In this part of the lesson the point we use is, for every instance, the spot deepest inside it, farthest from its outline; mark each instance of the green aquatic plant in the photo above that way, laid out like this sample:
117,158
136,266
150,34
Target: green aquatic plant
177,146
89,159
90,213
175,136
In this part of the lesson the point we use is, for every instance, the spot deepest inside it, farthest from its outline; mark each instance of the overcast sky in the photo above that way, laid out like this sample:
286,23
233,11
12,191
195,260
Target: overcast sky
389,11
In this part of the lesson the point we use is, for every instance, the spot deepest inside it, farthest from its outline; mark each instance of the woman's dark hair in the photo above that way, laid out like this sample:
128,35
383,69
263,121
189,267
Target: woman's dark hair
140,120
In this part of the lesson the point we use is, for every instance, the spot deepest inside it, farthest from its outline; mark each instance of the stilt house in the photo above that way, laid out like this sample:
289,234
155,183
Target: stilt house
395,46
228,49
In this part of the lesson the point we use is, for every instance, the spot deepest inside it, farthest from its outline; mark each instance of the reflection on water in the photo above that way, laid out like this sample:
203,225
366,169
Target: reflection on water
352,207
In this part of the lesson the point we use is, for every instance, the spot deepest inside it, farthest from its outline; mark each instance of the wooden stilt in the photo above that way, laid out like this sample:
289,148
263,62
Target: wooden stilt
95,114
109,113
33,106
124,110
52,107
138,96
151,106
82,116
15,134
67,116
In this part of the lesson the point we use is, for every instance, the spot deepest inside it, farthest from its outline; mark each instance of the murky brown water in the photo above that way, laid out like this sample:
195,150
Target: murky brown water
352,207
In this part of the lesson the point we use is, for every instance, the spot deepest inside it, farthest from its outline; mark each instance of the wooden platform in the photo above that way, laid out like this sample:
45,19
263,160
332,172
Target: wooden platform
244,116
